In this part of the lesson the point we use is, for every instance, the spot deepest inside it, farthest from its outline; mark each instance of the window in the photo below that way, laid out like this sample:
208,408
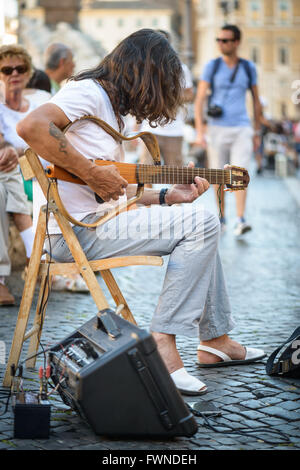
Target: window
255,11
155,22
283,55
283,109
255,55
120,22
139,22
99,22
284,10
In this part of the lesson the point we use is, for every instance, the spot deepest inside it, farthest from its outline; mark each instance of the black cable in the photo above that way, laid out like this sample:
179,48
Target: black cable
247,432
36,354
219,193
47,283
7,393
43,302
7,403
42,309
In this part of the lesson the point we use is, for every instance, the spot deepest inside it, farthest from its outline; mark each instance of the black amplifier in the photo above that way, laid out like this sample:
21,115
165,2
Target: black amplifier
111,373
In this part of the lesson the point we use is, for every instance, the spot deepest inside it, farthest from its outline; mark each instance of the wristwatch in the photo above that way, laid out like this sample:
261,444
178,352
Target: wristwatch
162,196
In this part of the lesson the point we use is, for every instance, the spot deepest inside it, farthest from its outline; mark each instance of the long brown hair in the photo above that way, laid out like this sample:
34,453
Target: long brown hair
142,77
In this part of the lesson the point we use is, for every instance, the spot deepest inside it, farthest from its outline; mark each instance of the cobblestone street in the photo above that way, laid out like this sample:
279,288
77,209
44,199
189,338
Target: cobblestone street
263,278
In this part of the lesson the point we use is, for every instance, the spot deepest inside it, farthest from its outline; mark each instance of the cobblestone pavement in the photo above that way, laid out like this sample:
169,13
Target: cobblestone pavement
263,279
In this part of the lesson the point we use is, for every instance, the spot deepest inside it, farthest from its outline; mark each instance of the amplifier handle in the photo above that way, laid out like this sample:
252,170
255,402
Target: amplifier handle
151,387
108,323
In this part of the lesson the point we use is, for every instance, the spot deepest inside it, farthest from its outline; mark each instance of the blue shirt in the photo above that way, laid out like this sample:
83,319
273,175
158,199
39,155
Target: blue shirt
230,96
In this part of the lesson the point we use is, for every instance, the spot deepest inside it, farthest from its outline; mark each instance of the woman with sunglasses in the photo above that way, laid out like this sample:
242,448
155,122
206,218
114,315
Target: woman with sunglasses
15,72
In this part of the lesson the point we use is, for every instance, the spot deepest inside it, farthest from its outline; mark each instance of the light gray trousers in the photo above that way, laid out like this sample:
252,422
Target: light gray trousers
5,265
194,300
12,199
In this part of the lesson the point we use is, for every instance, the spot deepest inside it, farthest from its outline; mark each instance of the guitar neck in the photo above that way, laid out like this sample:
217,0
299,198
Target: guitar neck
179,175
150,174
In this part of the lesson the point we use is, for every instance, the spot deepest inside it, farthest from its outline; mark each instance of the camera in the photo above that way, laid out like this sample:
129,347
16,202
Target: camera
214,111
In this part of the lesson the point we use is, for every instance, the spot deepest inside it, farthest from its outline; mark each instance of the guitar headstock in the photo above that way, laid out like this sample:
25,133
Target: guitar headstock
239,178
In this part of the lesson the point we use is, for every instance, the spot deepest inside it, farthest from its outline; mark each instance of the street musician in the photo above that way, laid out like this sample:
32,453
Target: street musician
142,76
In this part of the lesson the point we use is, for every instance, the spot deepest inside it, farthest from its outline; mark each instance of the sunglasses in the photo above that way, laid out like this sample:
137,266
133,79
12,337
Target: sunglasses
225,41
9,70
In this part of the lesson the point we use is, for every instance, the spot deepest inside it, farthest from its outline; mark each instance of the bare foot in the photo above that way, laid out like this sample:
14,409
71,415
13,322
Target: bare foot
225,344
166,345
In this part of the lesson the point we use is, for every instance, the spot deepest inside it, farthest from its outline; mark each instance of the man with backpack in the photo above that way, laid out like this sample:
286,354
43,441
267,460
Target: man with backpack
231,138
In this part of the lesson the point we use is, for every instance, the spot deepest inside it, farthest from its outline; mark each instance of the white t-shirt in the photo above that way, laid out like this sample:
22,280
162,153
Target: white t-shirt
176,127
36,96
77,99
9,118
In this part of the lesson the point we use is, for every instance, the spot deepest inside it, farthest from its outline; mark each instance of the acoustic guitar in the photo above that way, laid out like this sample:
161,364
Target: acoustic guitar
234,178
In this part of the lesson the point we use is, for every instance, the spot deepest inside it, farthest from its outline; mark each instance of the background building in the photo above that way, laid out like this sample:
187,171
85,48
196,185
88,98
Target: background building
107,21
271,34
111,21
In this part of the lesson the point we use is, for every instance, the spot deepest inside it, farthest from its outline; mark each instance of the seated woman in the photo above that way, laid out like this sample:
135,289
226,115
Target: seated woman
15,72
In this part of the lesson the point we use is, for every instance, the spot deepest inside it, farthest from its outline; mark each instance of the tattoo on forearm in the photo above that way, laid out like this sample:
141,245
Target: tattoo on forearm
58,135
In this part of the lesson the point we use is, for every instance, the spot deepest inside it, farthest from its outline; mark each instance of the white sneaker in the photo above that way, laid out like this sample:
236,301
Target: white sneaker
64,283
80,285
223,227
241,228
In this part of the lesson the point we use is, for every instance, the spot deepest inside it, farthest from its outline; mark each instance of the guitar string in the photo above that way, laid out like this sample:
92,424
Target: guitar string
186,174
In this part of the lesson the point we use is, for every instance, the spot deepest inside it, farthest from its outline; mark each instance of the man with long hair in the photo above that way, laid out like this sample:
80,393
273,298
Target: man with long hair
170,136
142,76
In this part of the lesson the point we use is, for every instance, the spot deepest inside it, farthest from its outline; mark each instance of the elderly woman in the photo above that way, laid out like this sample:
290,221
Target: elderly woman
15,72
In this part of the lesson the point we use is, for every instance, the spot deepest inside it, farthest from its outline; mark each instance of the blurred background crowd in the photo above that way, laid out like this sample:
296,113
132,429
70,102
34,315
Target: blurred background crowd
91,29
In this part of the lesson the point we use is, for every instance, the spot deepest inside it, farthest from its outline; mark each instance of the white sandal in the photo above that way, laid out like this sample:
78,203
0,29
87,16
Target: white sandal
187,384
252,355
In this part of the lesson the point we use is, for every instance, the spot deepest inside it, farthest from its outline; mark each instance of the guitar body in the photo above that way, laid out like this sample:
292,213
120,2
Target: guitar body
127,171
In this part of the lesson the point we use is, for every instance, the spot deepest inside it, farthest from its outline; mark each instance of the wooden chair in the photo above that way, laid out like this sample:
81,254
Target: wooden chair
45,269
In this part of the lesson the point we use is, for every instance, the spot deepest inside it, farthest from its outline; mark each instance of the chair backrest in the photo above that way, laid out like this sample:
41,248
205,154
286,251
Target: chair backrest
32,168
27,171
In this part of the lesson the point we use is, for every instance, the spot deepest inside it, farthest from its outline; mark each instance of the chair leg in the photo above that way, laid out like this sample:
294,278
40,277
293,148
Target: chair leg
38,320
27,297
117,295
82,262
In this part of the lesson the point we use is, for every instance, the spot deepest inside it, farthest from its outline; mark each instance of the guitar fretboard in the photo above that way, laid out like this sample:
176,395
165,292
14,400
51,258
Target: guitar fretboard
179,175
